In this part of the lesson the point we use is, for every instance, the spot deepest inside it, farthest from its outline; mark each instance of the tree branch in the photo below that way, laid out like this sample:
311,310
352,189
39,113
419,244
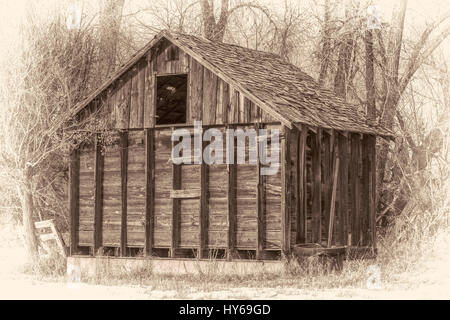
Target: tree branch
418,58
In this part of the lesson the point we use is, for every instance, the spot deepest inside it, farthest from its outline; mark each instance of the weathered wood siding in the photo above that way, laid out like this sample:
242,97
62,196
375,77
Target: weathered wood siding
86,194
129,103
111,193
136,189
354,204
260,214
178,198
163,185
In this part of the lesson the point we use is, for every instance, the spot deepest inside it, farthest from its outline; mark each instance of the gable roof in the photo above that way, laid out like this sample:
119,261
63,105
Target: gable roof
276,86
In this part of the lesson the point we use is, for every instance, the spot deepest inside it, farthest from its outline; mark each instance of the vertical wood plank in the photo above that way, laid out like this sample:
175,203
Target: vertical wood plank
203,225
209,97
285,190
372,189
149,95
232,207
186,61
343,187
176,185
124,115
112,93
365,191
134,98
74,198
141,93
316,190
188,93
247,109
234,106
327,163
301,223
123,174
98,194
295,133
110,114
254,113
225,102
219,109
260,203
118,106
149,190
331,220
241,108
355,188
196,87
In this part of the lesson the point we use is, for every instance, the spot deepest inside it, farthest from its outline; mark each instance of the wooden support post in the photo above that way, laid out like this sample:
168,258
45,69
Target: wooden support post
343,189
98,195
123,175
176,185
301,172
327,164
333,201
74,198
355,188
260,203
316,190
372,188
149,189
285,191
232,185
203,237
150,96
293,151
365,201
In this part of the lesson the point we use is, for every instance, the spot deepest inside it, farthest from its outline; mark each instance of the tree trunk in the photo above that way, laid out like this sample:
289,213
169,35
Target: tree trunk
343,67
326,44
341,78
213,30
29,236
110,21
393,94
370,77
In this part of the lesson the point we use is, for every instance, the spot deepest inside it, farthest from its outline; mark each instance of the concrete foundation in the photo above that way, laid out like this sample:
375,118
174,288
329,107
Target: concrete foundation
92,266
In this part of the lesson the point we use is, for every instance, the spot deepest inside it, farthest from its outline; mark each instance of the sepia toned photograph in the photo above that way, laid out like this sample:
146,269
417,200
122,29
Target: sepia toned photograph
231,150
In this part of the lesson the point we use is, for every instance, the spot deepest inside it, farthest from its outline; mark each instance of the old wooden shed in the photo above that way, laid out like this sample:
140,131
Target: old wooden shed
128,199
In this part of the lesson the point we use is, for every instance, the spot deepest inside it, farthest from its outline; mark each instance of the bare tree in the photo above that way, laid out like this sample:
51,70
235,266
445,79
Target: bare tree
109,32
53,70
214,29
394,83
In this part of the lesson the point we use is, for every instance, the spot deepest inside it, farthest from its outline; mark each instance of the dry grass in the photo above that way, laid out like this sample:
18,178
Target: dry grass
50,267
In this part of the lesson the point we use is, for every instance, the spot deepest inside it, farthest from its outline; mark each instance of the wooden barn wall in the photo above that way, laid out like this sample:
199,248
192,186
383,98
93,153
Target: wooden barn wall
318,149
195,206
129,103
222,206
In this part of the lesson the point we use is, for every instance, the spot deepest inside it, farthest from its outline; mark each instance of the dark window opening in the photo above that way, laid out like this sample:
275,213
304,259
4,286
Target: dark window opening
171,99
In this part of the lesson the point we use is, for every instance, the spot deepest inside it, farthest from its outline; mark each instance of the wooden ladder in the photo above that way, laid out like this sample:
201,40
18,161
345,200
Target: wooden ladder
53,234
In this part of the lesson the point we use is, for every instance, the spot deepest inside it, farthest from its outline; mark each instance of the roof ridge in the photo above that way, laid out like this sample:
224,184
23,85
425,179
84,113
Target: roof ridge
199,37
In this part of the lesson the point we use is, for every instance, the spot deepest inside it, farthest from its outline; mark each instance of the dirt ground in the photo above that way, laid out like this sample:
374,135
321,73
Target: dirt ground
430,280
